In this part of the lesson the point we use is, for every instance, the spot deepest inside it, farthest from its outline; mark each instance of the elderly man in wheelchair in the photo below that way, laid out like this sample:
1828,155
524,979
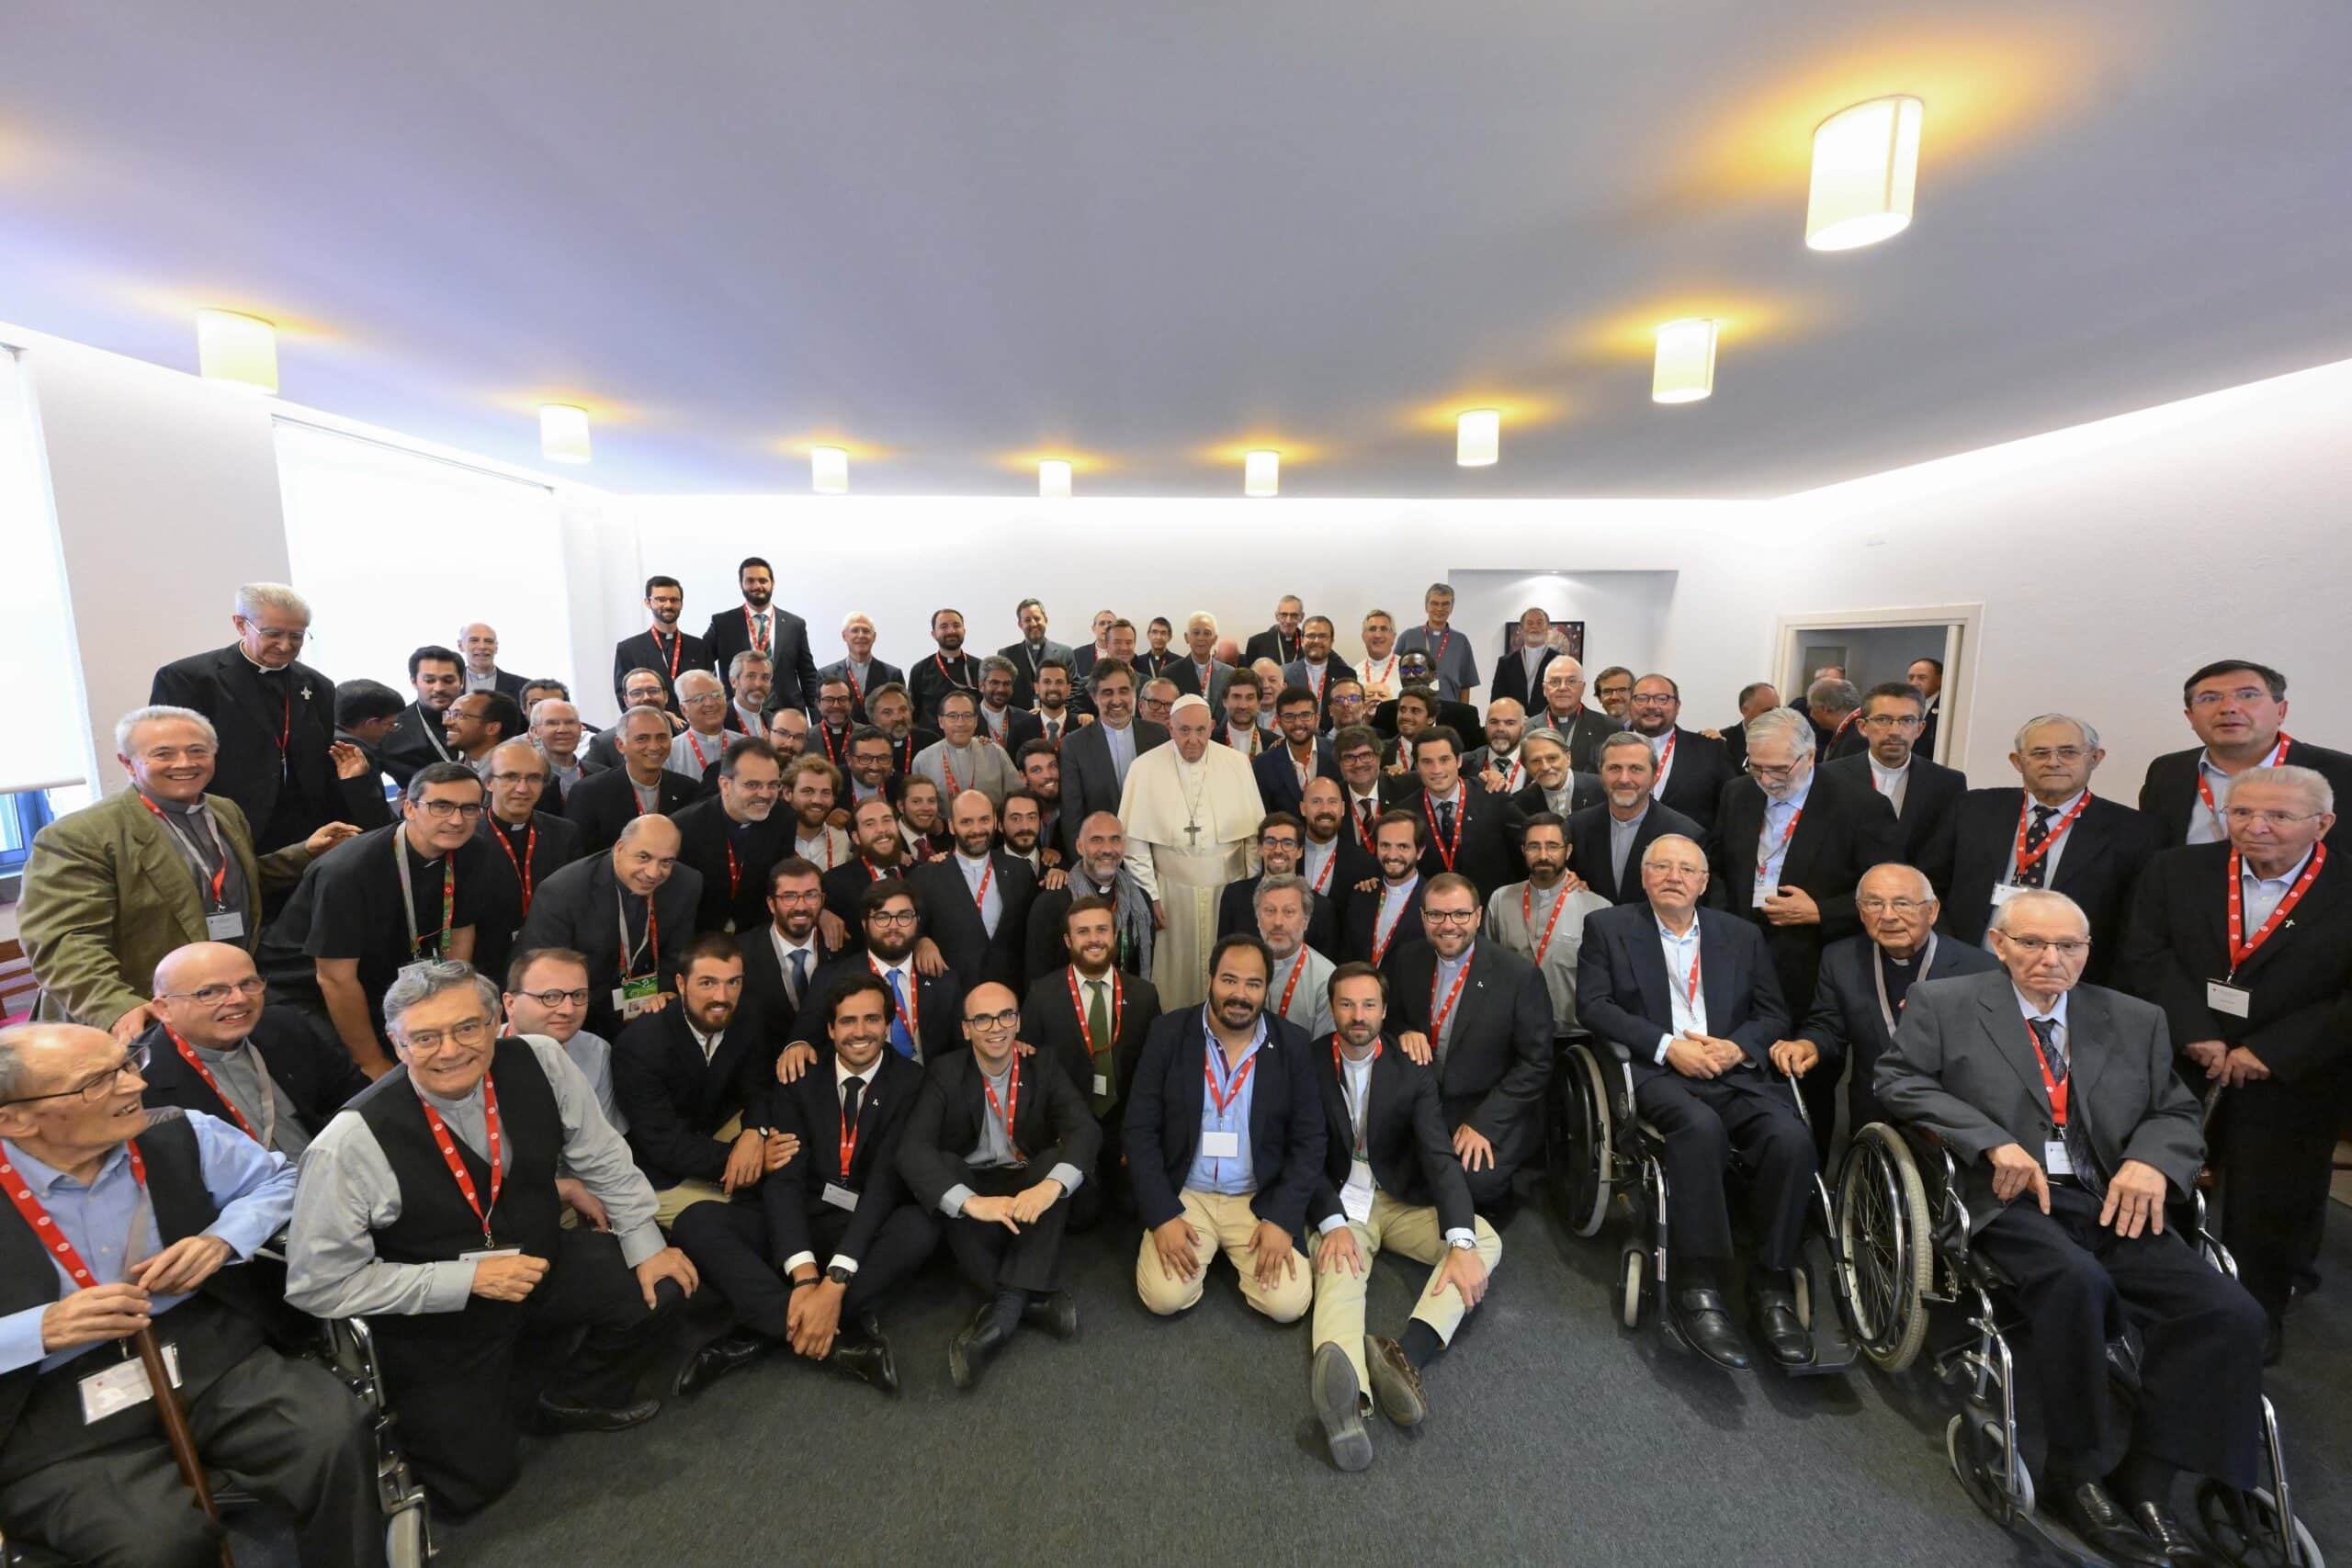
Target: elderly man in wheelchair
2070,1152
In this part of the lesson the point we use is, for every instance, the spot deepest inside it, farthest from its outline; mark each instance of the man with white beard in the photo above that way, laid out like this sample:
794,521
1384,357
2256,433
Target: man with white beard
1191,811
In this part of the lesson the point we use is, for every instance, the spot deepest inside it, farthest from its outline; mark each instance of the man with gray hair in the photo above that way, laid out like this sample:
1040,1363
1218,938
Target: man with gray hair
1284,906
1202,674
273,715
429,1204
478,641
1832,704
2054,833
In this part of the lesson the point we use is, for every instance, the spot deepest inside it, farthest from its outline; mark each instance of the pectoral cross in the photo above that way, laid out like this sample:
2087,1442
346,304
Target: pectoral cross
1193,835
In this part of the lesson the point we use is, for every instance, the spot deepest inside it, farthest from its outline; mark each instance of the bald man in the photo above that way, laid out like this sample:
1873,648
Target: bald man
216,1047
631,910
976,901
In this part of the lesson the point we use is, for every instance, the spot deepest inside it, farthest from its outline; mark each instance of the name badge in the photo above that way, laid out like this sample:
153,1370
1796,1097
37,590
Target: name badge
1765,888
1221,1145
1355,1198
2004,891
123,1385
840,1197
1101,1084
2222,997
481,1254
226,926
631,995
2054,1158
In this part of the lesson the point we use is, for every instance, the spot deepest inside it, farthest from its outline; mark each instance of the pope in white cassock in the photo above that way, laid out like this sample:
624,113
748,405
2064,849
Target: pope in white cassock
1191,811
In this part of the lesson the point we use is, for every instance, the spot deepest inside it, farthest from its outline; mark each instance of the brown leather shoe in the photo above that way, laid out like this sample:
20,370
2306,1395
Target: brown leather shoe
1395,1384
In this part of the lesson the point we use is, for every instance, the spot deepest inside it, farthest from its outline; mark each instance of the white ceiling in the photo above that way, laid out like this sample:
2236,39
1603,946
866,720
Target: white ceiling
1150,231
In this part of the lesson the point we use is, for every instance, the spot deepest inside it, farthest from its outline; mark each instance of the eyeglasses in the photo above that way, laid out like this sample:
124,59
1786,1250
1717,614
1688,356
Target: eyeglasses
2056,754
2034,946
2243,694
1654,699
444,809
639,695
578,998
1009,1019
213,996
1891,720
797,896
892,917
1898,906
2244,815
473,1032
1448,917
701,697
511,778
1763,770
97,1086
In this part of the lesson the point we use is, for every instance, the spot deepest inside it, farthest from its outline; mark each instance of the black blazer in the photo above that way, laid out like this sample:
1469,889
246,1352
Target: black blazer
641,651
1846,829
810,1110
2169,793
605,803
1049,1021
1458,715
1588,848
1150,666
931,677
730,633
1845,1022
1053,1123
1585,733
1271,644
877,673
1487,825
1237,910
1501,1059
557,844
845,884
1187,677
1335,668
2300,1019
676,1102
1163,1120
939,1007
1360,925
1584,793
579,908
1929,814
1622,985
2104,851
1278,778
1089,784
1048,944
952,919
247,768
705,837
1702,768
408,746
1511,680
763,975
316,1079
1024,684
1020,726
1405,1138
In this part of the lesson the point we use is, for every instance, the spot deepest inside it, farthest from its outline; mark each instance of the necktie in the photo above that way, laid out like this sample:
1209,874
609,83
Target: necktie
1098,1012
1365,815
799,972
1054,731
1445,820
2035,836
2078,1144
851,1093
900,1040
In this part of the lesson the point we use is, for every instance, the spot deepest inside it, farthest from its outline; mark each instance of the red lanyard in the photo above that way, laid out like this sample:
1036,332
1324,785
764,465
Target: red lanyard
652,939
1527,915
906,759
286,725
734,872
940,660
219,877
1249,751
757,633
2059,1092
2242,948
908,1010
873,873
2278,756
677,647
838,756
849,1130
2027,862
1437,654
1215,1054
1118,1012
1316,683
1011,1106
948,767
1691,990
522,867
1665,760
1439,1014
1446,850
50,1233
1387,670
1297,967
1843,725
828,833
987,875
695,741
856,692
1380,944
1764,856
1356,818
458,1167
1324,880
187,1055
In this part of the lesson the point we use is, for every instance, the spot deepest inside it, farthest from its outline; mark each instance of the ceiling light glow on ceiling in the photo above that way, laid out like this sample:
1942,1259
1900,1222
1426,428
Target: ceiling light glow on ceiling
1686,361
1262,473
1865,170
829,471
1053,478
1479,438
563,433
233,346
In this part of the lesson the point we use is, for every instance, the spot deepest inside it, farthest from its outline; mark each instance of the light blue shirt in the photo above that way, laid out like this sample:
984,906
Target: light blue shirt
1395,898
112,1224
2207,827
1772,845
2261,895
990,899
1120,740
1686,1011
1236,1176
2057,1016
995,1150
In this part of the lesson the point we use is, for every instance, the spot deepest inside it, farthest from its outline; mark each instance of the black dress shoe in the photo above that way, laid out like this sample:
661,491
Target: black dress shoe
2274,1341
1056,1314
865,1356
728,1353
973,1346
570,1415
2106,1529
1338,1404
2160,1525
1395,1383
1777,1325
1706,1324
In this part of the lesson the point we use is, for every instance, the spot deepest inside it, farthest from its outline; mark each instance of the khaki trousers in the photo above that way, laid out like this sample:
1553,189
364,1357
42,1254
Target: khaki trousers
1400,1228
1222,1224
669,1202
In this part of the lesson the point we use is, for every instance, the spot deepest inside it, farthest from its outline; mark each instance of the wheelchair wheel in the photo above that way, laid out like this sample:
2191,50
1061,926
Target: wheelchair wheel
2243,1529
1884,1255
1590,1143
1979,1456
1630,1298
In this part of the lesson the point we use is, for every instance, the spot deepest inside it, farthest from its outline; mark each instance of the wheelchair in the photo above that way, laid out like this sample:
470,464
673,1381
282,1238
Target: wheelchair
1902,1233
346,1348
1608,1153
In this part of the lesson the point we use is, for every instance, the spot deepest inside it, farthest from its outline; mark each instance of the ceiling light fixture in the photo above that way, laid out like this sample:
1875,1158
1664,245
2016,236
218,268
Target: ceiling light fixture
233,346
1686,361
1865,170
563,433
829,470
1053,478
1479,438
1262,473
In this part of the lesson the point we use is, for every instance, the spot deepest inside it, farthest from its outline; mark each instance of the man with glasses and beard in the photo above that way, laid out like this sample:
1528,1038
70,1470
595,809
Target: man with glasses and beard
923,1017
524,846
662,647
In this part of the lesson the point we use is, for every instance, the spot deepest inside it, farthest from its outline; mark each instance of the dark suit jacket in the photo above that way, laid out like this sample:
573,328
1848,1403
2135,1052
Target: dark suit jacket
1271,644
1511,680
1163,1120
1588,848
935,675
1278,776
641,651
1493,1072
2169,793
1334,668
938,1009
508,683
408,747
1963,1068
1089,782
811,1109
1929,814
1020,726
1187,676
605,803
765,980
1149,666
1584,793
1459,717
557,845
730,633
877,673
1846,828
1845,1022
706,835
1024,684
1486,847
579,908
1406,1139
1585,732
952,919
2300,1019
1621,986
676,1103
1360,925
2104,851
316,1078
1053,1125
1049,1021
1237,910
248,768
1695,787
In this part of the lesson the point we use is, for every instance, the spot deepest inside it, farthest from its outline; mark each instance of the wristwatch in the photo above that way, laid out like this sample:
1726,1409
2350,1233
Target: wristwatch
837,1274
1464,1244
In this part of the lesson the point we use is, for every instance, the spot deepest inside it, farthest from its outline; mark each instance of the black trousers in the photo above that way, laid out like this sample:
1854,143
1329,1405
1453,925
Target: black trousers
992,1257
2076,1287
1712,1127
283,1429
1490,1188
1106,1193
1819,1092
730,1245
2275,1149
462,1382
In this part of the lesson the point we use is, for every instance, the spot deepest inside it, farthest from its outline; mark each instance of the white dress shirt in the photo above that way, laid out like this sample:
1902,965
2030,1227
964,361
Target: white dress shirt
1681,957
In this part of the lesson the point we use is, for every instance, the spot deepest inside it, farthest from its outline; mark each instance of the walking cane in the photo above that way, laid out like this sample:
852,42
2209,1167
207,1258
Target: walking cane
177,1433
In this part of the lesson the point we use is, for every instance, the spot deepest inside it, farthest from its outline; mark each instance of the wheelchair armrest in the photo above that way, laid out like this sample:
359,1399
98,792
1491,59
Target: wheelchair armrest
1617,1053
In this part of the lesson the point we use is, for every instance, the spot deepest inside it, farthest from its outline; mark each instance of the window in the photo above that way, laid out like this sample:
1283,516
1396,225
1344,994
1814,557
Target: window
38,655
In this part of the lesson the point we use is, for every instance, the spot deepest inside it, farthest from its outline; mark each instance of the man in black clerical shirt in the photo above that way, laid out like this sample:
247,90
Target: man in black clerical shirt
524,846
734,836
421,734
661,647
631,910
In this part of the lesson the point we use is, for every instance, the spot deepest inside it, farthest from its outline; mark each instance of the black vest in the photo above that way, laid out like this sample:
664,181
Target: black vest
40,1413
436,1223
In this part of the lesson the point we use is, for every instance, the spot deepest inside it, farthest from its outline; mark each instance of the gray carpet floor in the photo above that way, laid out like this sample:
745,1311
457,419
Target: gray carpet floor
1555,1437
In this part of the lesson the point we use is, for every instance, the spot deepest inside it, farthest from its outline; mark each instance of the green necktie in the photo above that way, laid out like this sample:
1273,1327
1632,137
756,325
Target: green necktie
1098,1025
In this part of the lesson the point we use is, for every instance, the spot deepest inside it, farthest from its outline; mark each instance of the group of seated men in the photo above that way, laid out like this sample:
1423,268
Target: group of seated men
787,1053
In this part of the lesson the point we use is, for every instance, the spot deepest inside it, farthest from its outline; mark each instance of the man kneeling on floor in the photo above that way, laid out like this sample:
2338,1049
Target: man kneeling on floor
1390,1180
